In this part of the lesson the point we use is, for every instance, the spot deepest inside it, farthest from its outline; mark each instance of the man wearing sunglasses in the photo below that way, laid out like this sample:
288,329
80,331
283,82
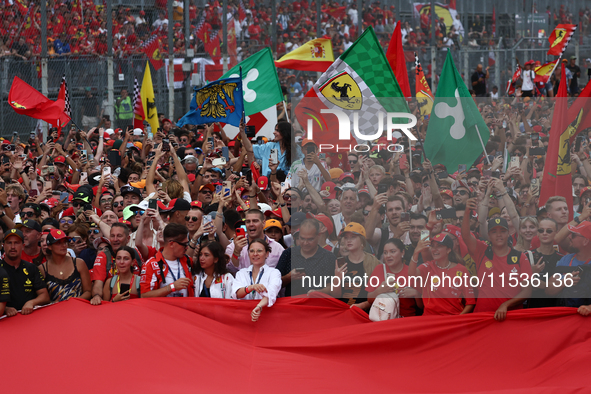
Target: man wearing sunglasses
168,274
31,211
462,192
177,211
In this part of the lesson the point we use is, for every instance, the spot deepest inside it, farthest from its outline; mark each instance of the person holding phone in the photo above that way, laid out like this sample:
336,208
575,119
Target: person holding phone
281,142
316,170
438,296
210,275
124,285
259,281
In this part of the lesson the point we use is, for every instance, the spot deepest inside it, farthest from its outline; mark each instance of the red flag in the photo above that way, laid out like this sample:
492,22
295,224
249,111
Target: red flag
26,100
511,83
395,56
557,179
560,38
336,12
494,22
452,4
582,102
241,11
152,49
138,108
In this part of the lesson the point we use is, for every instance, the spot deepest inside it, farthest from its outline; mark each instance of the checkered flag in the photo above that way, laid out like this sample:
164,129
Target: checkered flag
138,107
67,108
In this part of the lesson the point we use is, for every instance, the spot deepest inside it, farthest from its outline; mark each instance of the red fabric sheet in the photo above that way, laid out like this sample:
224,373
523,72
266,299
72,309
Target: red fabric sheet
298,346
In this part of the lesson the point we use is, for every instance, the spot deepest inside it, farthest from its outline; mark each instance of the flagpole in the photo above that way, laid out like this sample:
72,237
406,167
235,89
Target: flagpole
482,143
410,160
242,89
286,114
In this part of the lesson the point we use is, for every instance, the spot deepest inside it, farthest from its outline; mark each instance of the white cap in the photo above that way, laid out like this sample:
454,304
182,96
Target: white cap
138,131
264,207
109,131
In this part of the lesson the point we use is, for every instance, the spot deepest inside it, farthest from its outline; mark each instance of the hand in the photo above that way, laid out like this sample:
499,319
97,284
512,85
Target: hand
121,297
10,311
403,226
584,310
276,188
586,212
273,166
207,164
539,266
182,284
340,271
379,200
501,313
259,288
471,205
239,243
408,292
96,300
256,313
296,275
427,166
422,245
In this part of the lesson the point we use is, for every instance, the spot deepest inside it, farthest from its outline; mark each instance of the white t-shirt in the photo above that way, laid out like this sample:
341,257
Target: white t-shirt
175,271
528,80
314,175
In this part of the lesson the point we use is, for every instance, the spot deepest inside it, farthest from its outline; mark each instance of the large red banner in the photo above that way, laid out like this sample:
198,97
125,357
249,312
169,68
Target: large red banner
298,346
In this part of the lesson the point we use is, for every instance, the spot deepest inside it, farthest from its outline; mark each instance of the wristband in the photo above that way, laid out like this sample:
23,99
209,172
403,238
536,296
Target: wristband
251,196
577,220
235,256
283,205
246,290
412,259
172,289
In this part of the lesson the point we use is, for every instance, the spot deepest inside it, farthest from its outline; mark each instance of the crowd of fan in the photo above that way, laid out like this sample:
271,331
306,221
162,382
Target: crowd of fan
114,213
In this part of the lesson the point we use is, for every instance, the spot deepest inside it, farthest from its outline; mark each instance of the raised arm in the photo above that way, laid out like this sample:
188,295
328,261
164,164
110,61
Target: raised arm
467,237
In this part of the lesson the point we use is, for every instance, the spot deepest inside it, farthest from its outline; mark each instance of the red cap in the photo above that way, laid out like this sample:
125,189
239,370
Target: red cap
50,202
191,177
322,218
346,175
263,182
274,213
454,230
196,204
447,192
328,190
60,159
231,143
583,229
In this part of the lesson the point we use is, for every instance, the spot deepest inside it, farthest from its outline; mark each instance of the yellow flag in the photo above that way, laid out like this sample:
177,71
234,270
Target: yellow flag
148,100
315,55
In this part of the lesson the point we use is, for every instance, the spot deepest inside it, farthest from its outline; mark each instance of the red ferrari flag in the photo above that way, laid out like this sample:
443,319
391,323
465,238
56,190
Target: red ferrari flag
560,38
152,49
512,81
138,108
26,100
395,56
557,179
336,12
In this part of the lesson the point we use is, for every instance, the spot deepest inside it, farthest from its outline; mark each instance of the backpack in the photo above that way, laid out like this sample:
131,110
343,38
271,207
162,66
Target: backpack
137,284
386,306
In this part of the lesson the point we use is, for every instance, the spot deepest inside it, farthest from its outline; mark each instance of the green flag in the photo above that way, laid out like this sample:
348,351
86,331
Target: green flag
452,135
259,81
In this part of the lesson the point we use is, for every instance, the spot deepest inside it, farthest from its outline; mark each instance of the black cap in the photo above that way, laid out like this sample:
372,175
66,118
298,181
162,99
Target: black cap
30,223
83,195
296,219
497,222
130,189
178,204
14,232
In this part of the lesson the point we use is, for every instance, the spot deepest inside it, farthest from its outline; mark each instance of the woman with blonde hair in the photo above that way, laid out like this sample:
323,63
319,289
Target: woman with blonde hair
528,229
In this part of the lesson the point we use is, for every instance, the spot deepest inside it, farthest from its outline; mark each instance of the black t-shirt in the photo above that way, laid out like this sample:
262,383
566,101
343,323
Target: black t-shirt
4,286
353,292
539,299
574,71
480,87
89,104
20,49
25,281
317,268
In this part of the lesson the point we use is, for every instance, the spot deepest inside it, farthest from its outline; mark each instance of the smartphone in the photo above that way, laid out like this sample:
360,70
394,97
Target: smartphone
442,175
578,142
218,189
107,171
165,145
83,177
424,235
537,151
448,213
461,168
87,207
514,161
487,173
404,216
322,156
275,155
383,188
210,140
300,271
496,174
114,158
206,220
123,287
5,159
260,140
534,182
535,137
310,148
240,232
220,161
227,189
153,204
498,154
250,132
403,162
2,185
50,169
33,193
226,153
341,261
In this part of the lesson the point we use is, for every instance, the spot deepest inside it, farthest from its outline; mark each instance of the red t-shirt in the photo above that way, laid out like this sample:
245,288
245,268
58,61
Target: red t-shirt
496,290
408,306
30,259
445,298
99,269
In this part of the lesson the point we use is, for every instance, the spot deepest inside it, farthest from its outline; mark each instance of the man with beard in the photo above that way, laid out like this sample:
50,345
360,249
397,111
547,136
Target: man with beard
417,223
395,228
498,262
32,235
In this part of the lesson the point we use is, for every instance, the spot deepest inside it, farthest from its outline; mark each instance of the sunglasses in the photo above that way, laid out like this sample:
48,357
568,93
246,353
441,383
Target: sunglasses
28,214
207,191
106,201
116,204
365,213
183,244
519,154
191,218
352,161
77,204
140,212
76,239
68,221
460,192
545,230
94,231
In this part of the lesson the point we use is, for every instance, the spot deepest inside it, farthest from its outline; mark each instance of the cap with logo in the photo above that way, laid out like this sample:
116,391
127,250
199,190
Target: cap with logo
325,220
329,190
31,224
178,204
444,240
273,223
296,219
497,222
130,189
263,182
14,232
583,229
56,236
99,241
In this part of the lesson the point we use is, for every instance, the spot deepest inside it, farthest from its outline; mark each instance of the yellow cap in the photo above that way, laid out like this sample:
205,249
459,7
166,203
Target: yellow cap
355,228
